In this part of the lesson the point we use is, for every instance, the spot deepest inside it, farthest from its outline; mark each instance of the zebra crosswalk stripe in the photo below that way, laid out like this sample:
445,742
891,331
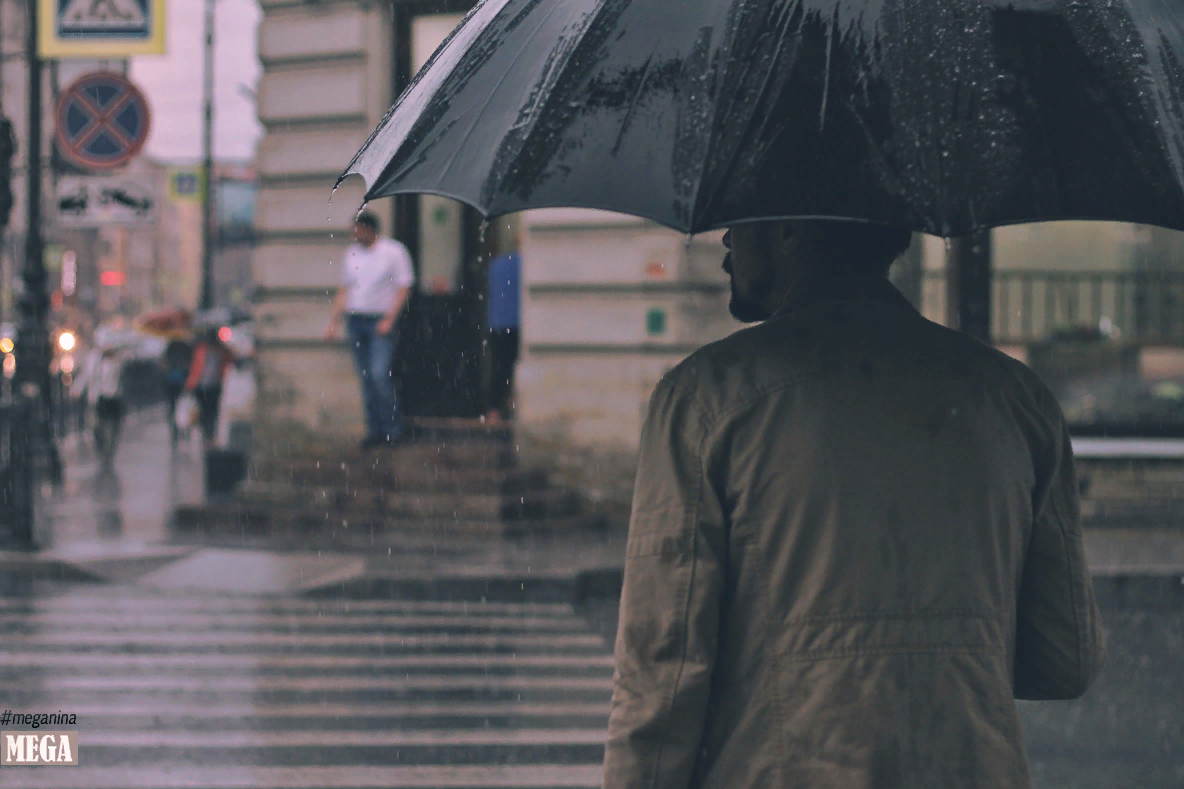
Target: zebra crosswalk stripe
219,692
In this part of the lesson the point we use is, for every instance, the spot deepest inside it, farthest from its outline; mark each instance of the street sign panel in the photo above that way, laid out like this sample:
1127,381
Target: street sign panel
187,185
102,121
94,201
101,28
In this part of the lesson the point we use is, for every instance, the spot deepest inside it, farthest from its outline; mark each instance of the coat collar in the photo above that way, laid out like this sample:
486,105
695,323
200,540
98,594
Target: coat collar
865,289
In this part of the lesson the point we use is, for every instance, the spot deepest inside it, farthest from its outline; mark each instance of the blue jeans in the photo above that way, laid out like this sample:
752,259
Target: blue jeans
372,354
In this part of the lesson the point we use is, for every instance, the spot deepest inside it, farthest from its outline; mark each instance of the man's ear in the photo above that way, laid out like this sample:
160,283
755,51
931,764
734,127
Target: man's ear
787,238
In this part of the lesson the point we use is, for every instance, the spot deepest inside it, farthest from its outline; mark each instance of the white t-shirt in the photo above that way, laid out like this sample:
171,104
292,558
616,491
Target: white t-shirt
373,275
100,376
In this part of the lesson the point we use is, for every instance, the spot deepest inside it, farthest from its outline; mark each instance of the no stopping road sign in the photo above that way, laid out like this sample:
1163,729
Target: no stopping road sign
102,121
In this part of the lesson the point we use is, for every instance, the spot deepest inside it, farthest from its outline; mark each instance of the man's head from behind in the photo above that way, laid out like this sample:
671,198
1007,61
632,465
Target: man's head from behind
366,228
768,260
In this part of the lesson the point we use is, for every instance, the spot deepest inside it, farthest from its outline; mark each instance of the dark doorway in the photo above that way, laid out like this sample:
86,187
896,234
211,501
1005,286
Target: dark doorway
439,362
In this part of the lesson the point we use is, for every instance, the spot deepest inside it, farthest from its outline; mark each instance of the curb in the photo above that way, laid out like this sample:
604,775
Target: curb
42,568
1118,587
1145,589
446,589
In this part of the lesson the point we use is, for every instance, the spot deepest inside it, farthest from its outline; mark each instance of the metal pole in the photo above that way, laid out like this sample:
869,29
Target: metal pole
32,345
207,213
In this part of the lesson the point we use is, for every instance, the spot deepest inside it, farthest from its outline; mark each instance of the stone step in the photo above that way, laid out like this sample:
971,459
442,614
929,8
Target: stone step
458,455
449,429
1131,480
245,525
343,500
1146,512
426,477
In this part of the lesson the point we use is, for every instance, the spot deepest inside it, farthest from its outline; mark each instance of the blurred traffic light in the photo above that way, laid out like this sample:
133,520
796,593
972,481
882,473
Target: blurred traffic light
7,149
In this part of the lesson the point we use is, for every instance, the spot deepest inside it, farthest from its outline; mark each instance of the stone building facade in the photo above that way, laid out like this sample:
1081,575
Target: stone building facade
609,302
326,83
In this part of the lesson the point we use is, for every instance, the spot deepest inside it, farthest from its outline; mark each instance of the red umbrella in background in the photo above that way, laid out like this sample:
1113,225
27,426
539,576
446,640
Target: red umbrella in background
166,322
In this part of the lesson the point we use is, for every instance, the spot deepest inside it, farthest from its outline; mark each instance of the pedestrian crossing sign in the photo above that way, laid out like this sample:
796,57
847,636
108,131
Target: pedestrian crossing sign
100,28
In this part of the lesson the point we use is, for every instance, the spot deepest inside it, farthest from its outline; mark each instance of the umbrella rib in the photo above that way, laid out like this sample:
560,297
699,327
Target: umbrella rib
545,76
706,154
736,150
414,92
645,75
501,81
830,44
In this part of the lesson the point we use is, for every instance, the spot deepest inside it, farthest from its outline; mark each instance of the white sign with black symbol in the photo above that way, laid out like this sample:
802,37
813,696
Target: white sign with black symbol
110,17
91,201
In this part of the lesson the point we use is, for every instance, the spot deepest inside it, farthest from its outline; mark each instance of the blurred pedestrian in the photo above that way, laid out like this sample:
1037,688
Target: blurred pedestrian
503,318
377,276
101,380
854,542
178,356
211,360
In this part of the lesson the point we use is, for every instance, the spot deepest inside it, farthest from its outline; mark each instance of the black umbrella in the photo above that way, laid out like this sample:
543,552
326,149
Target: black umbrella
944,116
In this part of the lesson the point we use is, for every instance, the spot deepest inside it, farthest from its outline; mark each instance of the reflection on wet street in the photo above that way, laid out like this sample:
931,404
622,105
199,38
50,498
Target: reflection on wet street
183,689
417,659
203,665
127,499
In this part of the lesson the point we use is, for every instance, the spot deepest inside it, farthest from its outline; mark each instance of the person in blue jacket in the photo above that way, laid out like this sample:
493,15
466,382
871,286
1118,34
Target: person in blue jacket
503,341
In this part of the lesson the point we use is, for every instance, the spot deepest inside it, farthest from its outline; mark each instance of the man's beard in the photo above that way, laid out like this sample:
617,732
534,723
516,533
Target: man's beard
743,308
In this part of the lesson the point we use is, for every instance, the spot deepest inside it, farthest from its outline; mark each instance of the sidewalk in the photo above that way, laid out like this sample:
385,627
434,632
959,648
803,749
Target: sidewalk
128,503
113,525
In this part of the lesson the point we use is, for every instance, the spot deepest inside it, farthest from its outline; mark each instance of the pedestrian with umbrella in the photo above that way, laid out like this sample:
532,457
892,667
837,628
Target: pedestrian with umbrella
855,536
101,382
175,326
176,360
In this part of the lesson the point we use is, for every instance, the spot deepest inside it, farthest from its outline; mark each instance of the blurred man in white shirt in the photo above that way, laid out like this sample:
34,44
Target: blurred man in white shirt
377,277
101,379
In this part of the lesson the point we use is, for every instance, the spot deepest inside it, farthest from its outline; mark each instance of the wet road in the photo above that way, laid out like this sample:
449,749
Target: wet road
217,691
178,684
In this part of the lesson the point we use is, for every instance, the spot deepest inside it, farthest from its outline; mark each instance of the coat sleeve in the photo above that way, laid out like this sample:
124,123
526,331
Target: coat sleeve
82,381
1060,646
670,605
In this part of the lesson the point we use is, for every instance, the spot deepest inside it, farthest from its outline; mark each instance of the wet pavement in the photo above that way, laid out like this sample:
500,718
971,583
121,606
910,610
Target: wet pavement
114,524
128,502
184,689
208,665
426,660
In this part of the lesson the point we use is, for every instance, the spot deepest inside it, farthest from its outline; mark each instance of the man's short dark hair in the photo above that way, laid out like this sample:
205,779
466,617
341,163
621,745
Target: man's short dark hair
854,247
367,219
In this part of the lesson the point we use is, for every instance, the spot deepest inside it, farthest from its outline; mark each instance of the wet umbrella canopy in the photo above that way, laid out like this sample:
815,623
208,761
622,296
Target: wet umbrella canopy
945,116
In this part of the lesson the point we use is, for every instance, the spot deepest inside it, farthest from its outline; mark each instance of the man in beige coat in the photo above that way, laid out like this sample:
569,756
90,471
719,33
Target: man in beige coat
854,542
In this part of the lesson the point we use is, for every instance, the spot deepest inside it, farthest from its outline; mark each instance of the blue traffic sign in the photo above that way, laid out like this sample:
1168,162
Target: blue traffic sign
102,121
